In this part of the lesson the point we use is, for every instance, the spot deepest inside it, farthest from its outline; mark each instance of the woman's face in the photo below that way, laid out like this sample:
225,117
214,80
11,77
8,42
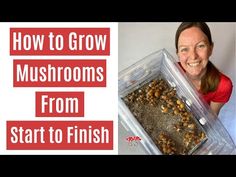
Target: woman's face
194,51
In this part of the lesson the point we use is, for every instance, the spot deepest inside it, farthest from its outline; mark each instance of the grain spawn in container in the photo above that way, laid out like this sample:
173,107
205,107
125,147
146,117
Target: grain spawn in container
165,118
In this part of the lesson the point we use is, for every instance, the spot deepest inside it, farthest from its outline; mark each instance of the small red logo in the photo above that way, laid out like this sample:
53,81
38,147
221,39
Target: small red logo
133,140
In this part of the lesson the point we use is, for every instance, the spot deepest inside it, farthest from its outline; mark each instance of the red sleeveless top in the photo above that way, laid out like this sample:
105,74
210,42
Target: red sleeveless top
223,91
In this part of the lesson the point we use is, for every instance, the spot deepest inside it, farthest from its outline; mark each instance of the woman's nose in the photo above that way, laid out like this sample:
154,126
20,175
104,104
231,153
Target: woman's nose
193,54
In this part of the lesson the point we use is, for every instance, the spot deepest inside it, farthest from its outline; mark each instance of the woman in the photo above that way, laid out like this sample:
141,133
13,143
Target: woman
194,46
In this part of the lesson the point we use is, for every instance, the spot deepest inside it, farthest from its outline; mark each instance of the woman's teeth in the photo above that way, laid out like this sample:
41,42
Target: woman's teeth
193,64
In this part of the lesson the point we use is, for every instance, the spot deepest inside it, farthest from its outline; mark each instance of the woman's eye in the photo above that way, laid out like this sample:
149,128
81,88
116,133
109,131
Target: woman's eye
201,46
183,49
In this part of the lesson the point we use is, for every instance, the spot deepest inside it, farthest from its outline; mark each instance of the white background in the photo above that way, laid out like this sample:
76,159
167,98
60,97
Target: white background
19,103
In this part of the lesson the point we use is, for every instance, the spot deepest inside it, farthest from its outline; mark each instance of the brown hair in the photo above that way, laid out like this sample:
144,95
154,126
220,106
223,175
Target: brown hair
211,79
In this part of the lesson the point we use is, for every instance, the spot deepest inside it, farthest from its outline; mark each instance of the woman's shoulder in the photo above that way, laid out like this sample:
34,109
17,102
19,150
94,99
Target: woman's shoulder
224,89
225,81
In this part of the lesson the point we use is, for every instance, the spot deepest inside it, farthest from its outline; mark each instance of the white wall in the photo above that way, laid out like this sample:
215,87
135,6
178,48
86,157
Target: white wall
137,40
223,36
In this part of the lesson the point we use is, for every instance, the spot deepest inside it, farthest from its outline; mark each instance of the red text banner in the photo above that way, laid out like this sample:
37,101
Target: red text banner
59,104
60,41
59,135
59,73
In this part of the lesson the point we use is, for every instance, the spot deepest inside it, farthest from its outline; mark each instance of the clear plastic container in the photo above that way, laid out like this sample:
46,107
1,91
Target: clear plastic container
162,64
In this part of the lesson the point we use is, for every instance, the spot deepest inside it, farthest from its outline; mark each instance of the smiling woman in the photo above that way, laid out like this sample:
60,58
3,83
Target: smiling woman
194,47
